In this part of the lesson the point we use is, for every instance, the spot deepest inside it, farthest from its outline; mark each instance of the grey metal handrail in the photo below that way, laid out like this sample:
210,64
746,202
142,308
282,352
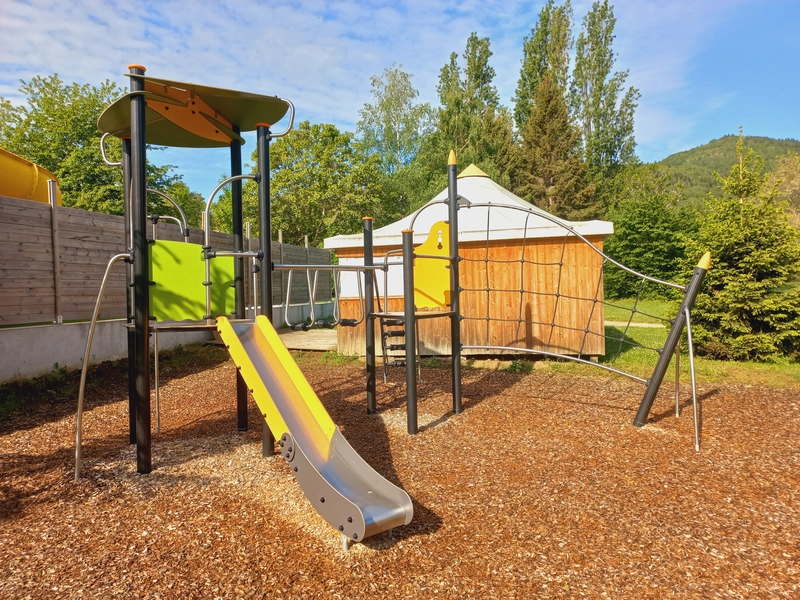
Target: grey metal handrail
207,235
291,120
103,152
185,228
86,354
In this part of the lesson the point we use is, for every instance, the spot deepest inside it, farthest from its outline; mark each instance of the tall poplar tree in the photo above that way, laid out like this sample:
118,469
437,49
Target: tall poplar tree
545,51
599,101
551,171
470,119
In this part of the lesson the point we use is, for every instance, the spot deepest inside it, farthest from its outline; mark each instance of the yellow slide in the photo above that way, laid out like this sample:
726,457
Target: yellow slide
349,494
24,179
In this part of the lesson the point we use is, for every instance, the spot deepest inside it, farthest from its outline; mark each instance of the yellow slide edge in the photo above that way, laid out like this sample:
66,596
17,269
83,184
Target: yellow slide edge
261,396
301,383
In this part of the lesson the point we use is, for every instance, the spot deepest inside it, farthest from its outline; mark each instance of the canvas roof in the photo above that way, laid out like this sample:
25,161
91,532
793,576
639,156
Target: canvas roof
503,223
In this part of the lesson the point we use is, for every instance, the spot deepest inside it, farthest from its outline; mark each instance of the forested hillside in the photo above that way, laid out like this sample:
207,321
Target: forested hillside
695,168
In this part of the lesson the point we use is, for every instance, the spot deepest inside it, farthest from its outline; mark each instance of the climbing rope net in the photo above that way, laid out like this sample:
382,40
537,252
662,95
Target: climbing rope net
538,289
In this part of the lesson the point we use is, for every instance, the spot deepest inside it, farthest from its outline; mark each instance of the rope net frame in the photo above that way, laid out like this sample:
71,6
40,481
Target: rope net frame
536,318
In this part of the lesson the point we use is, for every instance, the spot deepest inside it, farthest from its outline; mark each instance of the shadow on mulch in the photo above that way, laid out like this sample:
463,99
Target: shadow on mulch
685,403
56,469
26,404
370,438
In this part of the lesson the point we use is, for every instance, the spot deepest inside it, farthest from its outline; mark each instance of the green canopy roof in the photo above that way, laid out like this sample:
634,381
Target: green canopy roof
192,116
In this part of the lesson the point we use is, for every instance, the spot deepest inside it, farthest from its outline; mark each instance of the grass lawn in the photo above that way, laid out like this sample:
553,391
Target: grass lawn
647,311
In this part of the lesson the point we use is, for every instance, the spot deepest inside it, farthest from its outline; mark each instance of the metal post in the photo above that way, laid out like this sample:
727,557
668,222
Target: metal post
131,334
238,271
694,383
265,237
455,319
52,194
369,322
156,383
692,289
410,322
678,379
141,275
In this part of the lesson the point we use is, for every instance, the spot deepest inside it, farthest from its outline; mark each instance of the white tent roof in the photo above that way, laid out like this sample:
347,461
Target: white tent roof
503,223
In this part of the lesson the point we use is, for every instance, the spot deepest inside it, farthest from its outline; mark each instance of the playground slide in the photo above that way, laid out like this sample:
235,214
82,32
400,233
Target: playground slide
349,494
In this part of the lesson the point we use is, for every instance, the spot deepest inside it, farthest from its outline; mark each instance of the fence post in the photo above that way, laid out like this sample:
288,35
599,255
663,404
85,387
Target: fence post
52,194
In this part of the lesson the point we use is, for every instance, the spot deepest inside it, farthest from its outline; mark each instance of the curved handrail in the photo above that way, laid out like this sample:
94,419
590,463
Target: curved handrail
103,152
291,120
207,210
207,234
185,227
84,368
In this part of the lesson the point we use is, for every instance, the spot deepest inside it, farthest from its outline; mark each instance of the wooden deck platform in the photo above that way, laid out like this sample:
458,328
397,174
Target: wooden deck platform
315,339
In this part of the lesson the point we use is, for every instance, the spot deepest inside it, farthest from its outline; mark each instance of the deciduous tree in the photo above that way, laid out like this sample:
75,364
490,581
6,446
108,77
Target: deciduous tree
599,101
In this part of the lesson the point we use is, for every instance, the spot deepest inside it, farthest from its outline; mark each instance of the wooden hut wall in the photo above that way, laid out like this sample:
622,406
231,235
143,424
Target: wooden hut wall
561,281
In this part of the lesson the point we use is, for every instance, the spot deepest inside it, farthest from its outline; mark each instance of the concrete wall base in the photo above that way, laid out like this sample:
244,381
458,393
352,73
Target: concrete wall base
32,351
39,349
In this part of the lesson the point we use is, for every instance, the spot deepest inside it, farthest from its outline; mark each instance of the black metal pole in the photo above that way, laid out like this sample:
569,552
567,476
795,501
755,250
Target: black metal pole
129,317
411,330
238,271
673,339
369,308
141,275
455,319
265,238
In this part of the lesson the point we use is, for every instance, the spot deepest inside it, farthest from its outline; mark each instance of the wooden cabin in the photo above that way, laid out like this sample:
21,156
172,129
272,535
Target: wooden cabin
526,281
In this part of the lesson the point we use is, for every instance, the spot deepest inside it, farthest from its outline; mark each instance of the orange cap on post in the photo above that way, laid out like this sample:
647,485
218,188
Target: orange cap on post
137,67
366,218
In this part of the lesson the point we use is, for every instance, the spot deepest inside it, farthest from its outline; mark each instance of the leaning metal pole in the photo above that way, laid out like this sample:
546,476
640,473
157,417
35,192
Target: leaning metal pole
141,275
455,319
265,239
369,310
673,339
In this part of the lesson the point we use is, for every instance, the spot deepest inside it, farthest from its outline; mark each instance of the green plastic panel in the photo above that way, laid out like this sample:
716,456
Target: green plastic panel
178,270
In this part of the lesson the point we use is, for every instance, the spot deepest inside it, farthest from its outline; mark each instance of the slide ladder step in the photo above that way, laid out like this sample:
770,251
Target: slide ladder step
394,333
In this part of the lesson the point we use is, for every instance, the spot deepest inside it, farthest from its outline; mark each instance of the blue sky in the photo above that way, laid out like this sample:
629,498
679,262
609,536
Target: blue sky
703,67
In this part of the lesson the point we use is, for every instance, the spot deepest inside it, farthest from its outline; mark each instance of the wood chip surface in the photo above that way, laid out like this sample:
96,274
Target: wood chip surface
541,488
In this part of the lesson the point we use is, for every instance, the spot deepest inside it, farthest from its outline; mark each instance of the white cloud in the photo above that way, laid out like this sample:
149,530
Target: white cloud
322,54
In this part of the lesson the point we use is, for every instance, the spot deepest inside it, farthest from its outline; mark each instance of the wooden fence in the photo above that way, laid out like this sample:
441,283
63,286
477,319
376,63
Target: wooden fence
38,285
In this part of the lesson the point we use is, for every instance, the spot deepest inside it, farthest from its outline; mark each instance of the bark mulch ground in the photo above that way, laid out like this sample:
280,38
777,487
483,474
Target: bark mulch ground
542,488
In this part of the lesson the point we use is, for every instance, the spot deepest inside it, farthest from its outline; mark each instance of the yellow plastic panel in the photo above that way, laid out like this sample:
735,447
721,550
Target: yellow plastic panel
432,275
178,270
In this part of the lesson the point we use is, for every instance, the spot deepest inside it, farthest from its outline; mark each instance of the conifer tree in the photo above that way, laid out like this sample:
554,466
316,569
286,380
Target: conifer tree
551,172
750,306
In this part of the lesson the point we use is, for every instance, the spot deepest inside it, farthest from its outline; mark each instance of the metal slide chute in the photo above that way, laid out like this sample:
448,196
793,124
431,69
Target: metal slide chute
349,494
